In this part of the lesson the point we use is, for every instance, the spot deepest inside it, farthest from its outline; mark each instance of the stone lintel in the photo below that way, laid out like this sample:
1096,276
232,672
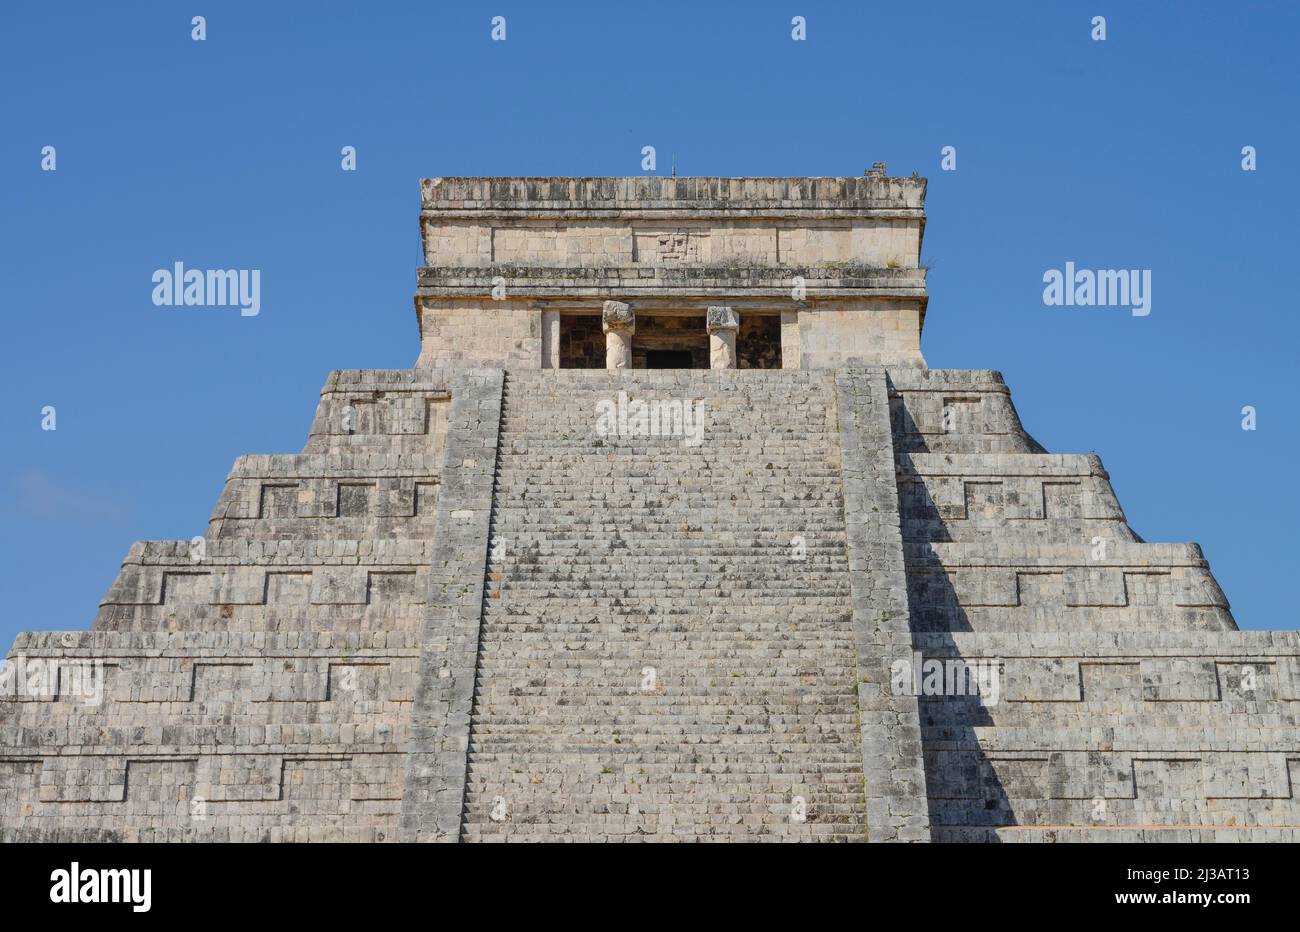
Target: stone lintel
652,281
779,287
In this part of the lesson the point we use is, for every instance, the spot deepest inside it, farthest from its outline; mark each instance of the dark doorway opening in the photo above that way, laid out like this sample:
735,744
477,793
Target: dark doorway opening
582,344
668,359
758,345
680,339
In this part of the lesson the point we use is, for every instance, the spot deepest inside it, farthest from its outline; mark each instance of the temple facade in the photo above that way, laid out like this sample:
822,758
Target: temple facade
678,273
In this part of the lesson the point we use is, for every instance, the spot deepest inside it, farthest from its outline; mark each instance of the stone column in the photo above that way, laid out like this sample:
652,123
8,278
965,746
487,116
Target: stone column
550,339
618,320
722,322
790,340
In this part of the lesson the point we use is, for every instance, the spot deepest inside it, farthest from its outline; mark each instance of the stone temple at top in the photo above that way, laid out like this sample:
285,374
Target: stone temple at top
802,273
669,535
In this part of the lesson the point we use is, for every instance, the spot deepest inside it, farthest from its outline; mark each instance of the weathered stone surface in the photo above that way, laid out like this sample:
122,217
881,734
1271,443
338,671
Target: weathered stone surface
618,320
666,648
433,795
488,602
615,315
722,323
721,317
892,765
840,257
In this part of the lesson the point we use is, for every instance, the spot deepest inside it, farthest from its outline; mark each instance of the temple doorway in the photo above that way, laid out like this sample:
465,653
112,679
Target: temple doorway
670,341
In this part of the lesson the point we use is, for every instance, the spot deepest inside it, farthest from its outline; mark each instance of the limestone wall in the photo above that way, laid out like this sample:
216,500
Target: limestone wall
349,496
312,673
1014,585
1045,496
844,334
254,684
885,243
594,197
210,736
955,411
504,334
1125,704
1135,736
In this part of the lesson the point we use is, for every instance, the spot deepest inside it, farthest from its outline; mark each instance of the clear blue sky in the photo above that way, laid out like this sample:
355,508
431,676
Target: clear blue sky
225,153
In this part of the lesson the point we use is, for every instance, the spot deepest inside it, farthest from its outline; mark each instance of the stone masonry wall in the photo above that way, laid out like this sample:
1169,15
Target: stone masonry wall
254,684
891,739
434,785
307,670
880,332
761,241
1127,707
842,256
482,333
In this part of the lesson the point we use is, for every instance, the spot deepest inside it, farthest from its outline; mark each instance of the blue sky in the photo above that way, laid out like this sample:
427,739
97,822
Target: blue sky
225,154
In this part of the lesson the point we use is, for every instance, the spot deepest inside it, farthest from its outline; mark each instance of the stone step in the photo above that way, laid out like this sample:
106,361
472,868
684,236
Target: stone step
612,554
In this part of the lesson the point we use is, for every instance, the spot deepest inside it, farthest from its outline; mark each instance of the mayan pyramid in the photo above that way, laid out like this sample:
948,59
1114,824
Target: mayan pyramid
639,550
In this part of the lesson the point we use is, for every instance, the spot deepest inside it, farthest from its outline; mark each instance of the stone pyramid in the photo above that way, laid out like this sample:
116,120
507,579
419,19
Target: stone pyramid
670,534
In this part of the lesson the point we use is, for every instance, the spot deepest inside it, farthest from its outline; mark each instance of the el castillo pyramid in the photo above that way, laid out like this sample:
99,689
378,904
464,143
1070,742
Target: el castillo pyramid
664,537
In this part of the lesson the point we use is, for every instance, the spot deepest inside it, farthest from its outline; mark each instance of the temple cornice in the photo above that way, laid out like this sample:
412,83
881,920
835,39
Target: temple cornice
529,281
